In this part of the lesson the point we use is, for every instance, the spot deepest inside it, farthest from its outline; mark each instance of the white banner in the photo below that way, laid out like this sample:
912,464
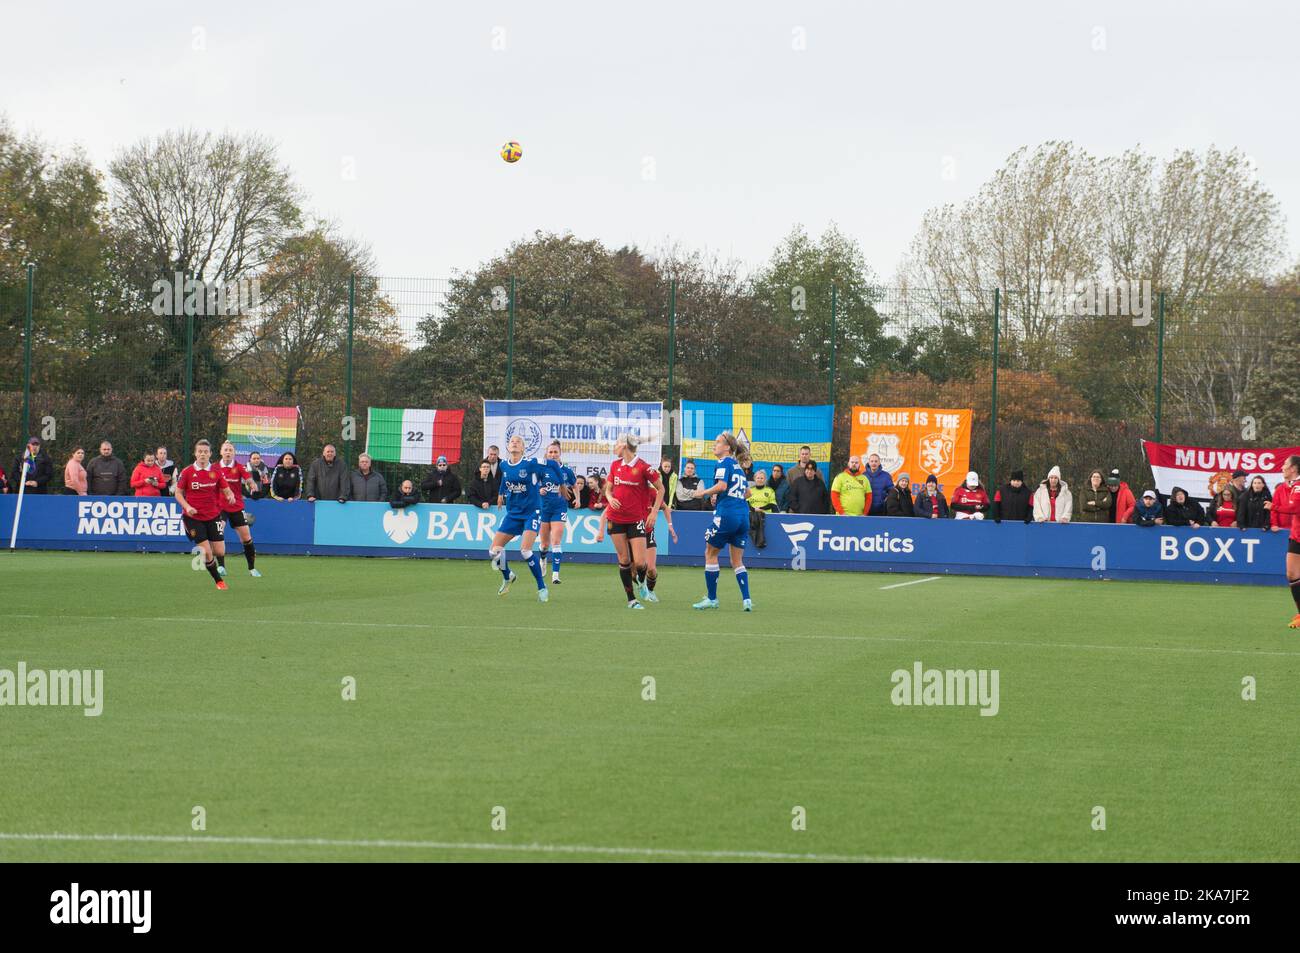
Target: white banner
587,429
1202,471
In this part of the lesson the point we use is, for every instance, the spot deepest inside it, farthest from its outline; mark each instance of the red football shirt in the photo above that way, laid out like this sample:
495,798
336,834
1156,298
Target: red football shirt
235,477
202,489
633,488
1286,506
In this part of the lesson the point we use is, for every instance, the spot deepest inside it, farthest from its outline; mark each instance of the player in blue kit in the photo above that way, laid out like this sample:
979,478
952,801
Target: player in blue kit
730,519
520,480
555,507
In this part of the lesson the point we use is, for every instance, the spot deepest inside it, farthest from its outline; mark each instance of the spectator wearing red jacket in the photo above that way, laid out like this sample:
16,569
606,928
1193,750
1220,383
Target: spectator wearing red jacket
1280,511
1121,498
970,501
147,478
1286,502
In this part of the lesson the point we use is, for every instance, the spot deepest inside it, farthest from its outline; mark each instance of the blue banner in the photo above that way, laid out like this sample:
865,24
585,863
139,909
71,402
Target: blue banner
431,529
774,432
982,547
140,523
586,429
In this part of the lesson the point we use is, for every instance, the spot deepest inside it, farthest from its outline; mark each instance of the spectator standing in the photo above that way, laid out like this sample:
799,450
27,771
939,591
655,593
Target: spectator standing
286,478
851,490
597,493
780,486
931,503
482,490
327,477
406,495
1251,511
106,474
1013,501
368,484
40,469
668,473
1225,514
899,502
1237,487
881,483
970,501
1095,500
795,472
147,478
808,495
74,473
762,500
1148,511
1182,510
687,484
442,485
261,475
168,468
494,461
1121,498
1053,502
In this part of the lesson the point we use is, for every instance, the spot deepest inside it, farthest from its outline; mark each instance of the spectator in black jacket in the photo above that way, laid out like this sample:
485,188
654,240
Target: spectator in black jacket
1251,513
258,471
40,470
106,474
328,477
286,478
687,484
1148,511
809,495
1013,501
368,484
899,502
405,496
1182,510
482,490
442,485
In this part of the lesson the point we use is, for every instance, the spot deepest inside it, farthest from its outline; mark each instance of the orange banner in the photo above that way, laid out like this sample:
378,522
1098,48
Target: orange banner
915,440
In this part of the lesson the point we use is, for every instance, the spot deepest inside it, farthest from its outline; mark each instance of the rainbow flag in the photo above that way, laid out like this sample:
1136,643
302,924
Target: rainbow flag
269,431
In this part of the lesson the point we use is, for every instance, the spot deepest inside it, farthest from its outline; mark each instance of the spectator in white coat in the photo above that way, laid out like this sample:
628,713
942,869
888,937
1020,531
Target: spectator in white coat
1053,502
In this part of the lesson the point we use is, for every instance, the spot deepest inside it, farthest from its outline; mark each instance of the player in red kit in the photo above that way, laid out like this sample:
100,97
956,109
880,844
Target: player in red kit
200,490
634,493
1284,508
238,477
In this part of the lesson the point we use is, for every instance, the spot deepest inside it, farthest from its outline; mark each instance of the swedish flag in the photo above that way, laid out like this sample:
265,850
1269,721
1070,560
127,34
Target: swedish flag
774,432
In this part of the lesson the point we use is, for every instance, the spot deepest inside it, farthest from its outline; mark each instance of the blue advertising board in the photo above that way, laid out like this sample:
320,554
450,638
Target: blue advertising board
140,524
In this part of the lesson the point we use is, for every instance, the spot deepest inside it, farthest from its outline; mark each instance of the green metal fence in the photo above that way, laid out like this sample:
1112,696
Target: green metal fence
1047,386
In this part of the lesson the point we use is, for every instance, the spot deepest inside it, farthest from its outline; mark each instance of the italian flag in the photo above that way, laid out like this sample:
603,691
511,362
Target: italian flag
414,436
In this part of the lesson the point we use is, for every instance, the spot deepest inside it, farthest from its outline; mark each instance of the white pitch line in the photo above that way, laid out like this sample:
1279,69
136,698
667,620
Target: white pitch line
899,585
469,846
1084,646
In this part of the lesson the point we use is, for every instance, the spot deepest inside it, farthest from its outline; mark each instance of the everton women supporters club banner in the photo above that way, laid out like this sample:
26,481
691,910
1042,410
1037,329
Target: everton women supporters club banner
414,436
917,440
587,429
773,432
1203,471
269,431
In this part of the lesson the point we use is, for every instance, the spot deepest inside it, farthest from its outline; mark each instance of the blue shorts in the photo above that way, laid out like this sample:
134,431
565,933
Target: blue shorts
513,524
555,516
728,530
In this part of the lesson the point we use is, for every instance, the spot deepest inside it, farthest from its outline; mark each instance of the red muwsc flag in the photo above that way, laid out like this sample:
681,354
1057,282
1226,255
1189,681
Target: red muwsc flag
414,436
1203,471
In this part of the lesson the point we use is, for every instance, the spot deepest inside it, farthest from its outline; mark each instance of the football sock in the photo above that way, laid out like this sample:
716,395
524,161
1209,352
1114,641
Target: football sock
640,573
555,558
742,580
1295,593
221,560
534,566
211,566
711,581
249,553
625,573
650,579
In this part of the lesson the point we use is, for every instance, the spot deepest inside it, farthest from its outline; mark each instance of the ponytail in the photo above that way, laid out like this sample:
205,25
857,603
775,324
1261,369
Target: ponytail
738,450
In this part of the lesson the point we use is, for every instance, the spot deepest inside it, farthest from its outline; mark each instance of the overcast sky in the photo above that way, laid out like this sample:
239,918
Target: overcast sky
717,125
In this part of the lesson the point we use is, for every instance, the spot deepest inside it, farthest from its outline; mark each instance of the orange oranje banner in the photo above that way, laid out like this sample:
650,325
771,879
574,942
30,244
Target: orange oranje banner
918,441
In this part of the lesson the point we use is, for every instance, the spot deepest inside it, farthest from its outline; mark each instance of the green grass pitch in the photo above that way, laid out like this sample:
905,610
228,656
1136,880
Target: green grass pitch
1126,696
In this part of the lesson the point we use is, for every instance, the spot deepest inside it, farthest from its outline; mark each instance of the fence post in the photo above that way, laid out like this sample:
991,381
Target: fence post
347,409
672,351
510,345
1160,359
993,413
831,387
189,381
27,358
